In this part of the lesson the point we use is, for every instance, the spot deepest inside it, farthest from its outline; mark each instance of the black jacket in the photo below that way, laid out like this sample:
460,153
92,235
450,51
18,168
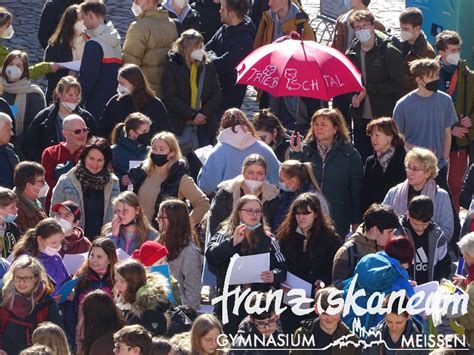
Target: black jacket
8,162
118,108
59,54
192,20
42,133
209,16
376,182
10,237
231,45
50,16
177,94
467,190
385,74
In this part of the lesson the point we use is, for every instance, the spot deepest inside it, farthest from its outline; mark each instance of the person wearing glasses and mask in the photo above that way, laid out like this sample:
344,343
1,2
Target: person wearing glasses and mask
245,232
47,128
30,185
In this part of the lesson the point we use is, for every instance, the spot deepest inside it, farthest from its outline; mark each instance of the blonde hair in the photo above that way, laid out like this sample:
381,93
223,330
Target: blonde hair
186,43
170,139
52,336
426,157
201,326
64,85
337,120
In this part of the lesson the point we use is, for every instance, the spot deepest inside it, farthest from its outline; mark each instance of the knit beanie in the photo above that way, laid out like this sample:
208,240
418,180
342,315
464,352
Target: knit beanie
150,252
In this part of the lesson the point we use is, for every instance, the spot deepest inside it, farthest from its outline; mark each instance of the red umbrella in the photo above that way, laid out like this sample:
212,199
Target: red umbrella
292,67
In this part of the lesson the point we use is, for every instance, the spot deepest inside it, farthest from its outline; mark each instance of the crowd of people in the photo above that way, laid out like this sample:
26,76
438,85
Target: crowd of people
361,193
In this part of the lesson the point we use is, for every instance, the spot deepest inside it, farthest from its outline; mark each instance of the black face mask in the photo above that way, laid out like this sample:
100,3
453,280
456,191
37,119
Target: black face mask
144,138
133,221
159,159
432,85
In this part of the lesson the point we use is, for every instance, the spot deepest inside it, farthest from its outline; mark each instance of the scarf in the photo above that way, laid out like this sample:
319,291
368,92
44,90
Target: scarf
400,201
323,150
21,89
384,158
194,87
21,306
92,181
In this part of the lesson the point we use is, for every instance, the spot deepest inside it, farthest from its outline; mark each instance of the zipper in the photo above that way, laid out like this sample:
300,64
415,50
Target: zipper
322,176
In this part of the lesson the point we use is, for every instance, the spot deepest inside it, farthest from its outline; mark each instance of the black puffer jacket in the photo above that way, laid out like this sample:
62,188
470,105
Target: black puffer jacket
177,94
231,45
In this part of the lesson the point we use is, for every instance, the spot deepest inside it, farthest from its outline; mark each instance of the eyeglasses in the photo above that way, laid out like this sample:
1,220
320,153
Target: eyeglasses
415,170
118,348
25,279
271,323
78,131
252,212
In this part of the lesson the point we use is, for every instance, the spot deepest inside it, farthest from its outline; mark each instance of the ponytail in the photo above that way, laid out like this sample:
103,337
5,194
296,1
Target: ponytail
115,135
28,244
302,171
310,175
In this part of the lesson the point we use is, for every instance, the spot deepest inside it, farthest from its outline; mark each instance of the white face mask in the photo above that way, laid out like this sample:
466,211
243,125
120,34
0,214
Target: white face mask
198,54
44,190
70,106
406,36
123,90
363,35
136,9
453,58
65,224
253,185
79,27
180,3
8,33
13,72
50,251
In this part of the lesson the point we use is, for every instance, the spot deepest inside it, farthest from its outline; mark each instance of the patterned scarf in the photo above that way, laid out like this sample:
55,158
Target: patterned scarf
92,181
22,305
324,150
384,158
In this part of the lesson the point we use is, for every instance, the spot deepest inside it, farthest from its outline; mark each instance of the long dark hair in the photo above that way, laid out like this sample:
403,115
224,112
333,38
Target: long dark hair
101,316
179,232
135,274
64,33
322,223
142,92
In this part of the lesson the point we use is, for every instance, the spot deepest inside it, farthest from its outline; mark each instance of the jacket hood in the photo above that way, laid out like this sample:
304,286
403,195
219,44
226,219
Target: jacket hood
76,237
292,13
245,26
152,295
107,33
232,186
236,137
131,145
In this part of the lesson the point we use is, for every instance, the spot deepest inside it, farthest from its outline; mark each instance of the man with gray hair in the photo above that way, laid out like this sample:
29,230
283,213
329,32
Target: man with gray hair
8,157
60,158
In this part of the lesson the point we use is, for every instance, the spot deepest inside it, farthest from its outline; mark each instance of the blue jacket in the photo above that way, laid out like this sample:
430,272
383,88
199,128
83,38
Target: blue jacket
56,269
100,63
8,162
123,152
129,246
376,273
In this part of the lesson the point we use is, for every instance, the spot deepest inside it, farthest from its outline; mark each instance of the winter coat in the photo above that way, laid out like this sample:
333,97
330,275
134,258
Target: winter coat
310,328
11,235
467,190
375,273
129,245
69,188
59,53
209,16
50,17
377,182
186,268
314,264
190,20
55,269
5,108
340,179
226,158
35,102
177,94
147,43
385,75
16,336
349,254
439,262
266,28
231,44
77,243
412,330
228,195
118,108
420,49
100,63
43,131
443,211
125,151
150,305
8,162
29,213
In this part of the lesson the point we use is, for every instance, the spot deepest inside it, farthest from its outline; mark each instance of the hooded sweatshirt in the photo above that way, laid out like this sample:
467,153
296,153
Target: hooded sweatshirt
226,158
99,67
55,269
76,243
277,30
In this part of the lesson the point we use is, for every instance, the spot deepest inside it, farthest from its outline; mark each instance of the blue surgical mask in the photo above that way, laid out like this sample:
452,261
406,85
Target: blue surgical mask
252,228
9,218
284,187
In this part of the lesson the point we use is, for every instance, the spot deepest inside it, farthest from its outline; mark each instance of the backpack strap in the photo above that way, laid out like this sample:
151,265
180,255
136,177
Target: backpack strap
353,254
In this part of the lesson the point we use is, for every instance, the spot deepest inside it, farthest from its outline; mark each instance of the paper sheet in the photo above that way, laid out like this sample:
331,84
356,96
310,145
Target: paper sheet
74,65
294,282
428,288
121,254
66,289
74,261
164,270
247,269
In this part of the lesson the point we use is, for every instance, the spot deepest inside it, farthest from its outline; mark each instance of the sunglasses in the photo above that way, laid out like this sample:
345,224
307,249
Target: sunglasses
78,131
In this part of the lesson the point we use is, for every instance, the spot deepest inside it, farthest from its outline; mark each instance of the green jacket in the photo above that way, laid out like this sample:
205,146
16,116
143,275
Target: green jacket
340,179
36,71
467,320
465,73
